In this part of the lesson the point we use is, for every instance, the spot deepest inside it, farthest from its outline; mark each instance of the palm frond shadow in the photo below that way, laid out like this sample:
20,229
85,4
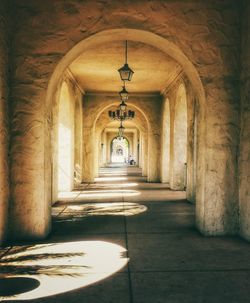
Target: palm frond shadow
8,266
95,209
56,270
44,256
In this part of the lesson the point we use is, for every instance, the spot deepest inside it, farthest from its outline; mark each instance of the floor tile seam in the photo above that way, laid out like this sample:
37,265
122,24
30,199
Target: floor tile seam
67,205
158,233
99,234
131,296
74,200
61,212
81,191
189,270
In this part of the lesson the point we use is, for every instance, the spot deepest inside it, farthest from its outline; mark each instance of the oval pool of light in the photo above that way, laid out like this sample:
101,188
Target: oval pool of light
62,267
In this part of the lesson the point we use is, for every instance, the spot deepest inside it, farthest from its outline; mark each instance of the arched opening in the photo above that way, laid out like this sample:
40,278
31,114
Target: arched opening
211,137
105,130
158,43
48,154
179,144
119,150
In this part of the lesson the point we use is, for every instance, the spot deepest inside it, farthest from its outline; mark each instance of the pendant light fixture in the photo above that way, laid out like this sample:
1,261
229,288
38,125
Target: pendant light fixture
126,72
121,114
121,131
123,93
123,106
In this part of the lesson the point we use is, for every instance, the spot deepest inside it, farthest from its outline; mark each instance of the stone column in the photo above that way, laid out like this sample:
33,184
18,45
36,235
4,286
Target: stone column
30,213
154,155
66,137
179,140
140,151
144,157
101,149
78,139
165,142
88,155
105,148
97,151
191,147
217,210
4,131
109,138
244,161
135,142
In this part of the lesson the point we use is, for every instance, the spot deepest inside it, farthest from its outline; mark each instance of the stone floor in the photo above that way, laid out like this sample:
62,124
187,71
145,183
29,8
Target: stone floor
123,240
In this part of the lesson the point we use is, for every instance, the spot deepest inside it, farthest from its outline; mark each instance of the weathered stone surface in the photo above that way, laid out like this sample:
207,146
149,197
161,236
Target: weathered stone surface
165,141
207,32
4,131
179,139
192,131
244,161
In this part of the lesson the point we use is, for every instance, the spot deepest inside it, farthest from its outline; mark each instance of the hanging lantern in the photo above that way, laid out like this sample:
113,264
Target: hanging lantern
121,131
123,94
123,106
126,72
121,113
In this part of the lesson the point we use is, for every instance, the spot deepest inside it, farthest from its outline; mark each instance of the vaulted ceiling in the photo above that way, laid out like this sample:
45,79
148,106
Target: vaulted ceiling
96,69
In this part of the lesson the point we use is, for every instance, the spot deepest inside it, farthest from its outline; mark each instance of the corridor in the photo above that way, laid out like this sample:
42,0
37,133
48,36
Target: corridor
122,240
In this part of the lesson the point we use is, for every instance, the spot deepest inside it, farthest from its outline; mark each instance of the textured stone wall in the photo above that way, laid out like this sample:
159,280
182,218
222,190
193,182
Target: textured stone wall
170,151
75,116
4,136
179,140
66,138
165,141
78,136
191,145
244,163
144,157
208,34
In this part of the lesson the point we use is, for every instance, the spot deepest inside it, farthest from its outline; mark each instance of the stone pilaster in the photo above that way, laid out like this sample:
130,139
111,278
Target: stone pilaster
244,161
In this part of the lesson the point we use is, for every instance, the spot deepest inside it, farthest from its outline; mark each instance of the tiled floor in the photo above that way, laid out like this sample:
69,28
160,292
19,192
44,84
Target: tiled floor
123,240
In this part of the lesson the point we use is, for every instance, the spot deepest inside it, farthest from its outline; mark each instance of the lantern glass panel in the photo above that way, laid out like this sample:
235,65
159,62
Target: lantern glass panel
125,72
123,106
123,94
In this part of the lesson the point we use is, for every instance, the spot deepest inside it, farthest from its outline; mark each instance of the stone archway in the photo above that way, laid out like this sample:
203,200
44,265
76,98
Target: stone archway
119,150
164,45
140,122
41,187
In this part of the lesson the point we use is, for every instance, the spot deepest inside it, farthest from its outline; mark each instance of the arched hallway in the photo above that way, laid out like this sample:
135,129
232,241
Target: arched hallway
124,240
124,150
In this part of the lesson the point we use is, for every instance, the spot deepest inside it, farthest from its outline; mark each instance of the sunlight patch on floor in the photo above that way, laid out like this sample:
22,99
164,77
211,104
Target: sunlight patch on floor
61,267
115,185
104,179
74,212
118,193
68,194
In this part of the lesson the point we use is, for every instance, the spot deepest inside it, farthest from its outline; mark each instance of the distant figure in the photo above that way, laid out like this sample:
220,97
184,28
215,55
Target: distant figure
131,160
